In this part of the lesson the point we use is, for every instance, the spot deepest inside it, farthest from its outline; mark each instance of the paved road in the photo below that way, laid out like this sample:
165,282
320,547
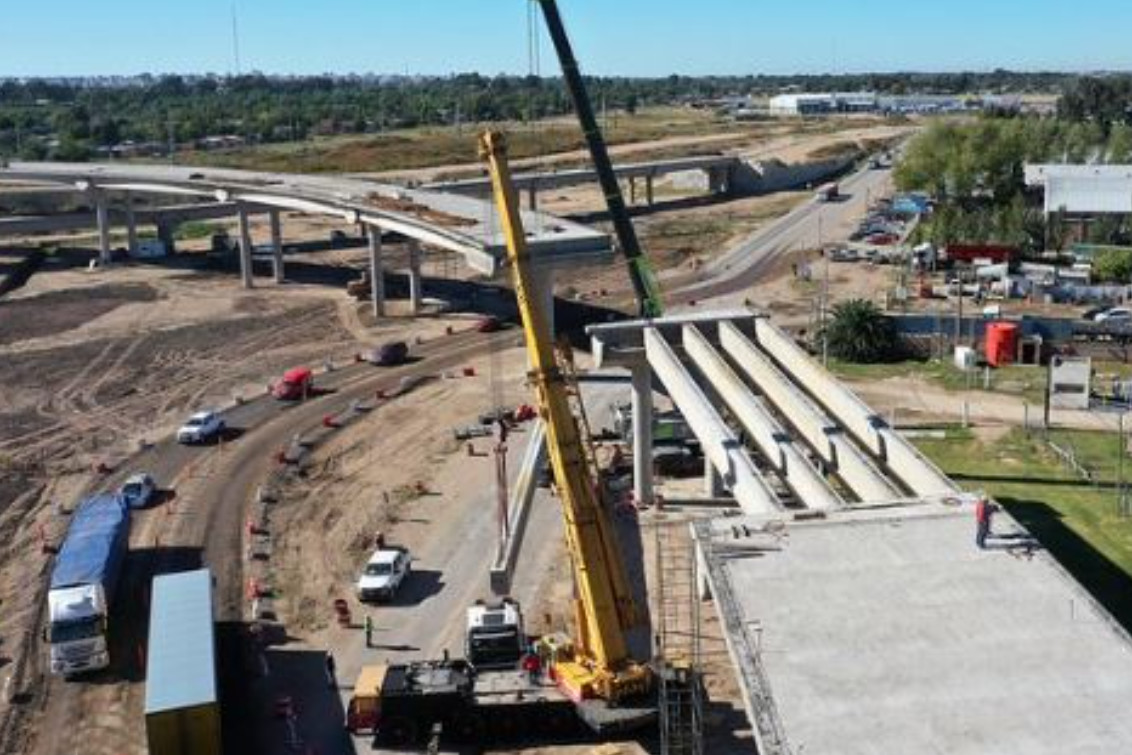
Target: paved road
806,227
204,522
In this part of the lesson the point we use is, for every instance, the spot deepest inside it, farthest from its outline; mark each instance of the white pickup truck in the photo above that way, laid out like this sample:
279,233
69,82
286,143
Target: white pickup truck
384,573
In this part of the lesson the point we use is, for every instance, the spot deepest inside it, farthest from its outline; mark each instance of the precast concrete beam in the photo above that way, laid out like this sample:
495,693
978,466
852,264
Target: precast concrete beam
848,462
853,413
277,246
813,491
917,473
246,273
720,445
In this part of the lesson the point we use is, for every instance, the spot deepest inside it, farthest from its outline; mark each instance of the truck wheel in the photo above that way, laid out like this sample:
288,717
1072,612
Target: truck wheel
469,727
400,730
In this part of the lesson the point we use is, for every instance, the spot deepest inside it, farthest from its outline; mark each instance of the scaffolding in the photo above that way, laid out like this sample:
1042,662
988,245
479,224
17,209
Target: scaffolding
678,639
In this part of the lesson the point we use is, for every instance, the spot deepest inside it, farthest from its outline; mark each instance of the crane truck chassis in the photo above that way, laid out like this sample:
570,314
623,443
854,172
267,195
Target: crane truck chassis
473,706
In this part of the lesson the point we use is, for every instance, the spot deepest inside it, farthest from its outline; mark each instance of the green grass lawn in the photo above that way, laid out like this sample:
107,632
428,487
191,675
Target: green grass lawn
1023,381
1078,522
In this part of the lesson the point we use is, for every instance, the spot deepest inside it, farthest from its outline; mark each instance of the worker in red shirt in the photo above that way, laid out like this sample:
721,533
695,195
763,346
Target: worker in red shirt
532,664
984,510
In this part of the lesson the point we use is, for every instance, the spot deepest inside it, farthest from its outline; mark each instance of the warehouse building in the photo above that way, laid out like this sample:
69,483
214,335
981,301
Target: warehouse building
1083,189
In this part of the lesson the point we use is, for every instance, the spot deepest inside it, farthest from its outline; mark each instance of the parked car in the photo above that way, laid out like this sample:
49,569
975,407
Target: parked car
295,384
138,491
1116,314
384,573
842,255
390,354
882,239
201,427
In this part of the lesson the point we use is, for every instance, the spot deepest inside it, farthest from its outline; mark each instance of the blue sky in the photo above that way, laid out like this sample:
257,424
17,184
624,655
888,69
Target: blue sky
632,37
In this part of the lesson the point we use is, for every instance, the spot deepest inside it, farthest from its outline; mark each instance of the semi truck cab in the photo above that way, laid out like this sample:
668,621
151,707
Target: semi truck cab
77,629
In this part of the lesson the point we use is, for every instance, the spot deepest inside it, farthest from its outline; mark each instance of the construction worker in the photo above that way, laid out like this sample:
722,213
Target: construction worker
369,631
984,510
532,664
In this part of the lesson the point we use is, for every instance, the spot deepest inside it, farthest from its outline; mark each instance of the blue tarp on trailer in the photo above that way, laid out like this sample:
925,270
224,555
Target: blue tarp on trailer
96,542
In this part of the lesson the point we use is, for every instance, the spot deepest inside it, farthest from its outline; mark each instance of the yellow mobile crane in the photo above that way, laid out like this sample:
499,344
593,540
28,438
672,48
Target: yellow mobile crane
597,663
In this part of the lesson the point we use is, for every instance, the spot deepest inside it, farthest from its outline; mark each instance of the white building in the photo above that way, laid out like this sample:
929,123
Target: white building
801,104
1083,189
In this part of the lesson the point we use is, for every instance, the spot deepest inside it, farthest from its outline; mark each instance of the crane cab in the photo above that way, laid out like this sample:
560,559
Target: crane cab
495,638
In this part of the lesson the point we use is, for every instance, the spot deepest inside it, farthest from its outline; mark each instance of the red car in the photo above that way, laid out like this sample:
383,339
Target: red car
882,239
296,384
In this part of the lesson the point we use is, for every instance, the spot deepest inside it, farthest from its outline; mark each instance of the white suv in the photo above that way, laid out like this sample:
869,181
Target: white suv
384,573
201,427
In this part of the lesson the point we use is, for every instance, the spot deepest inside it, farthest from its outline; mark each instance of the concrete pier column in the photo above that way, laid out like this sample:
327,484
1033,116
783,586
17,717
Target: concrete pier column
642,433
131,226
713,481
650,197
632,190
277,246
532,198
246,273
376,272
415,287
102,216
166,230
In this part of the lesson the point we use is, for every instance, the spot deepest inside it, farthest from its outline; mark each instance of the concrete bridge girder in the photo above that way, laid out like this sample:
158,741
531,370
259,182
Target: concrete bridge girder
918,474
813,491
819,432
721,448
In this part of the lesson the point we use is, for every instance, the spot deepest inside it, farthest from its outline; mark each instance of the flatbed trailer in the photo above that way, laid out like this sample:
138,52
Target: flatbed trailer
490,706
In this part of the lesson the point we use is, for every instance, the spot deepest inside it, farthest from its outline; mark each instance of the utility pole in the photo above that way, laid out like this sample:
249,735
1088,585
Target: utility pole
1120,450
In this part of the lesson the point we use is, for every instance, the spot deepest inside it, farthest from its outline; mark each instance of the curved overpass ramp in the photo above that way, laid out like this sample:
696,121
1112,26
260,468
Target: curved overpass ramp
463,225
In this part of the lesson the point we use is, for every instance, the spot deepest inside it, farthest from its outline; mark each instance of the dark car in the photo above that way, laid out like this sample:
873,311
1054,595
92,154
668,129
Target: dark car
390,354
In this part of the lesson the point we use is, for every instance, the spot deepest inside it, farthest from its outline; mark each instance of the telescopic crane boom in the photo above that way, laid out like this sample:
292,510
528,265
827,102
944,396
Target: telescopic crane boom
598,665
641,274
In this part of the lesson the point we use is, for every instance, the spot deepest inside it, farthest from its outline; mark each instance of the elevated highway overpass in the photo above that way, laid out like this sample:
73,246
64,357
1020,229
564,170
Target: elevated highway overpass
459,224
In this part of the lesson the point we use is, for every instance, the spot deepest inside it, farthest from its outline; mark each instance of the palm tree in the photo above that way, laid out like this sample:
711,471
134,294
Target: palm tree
861,333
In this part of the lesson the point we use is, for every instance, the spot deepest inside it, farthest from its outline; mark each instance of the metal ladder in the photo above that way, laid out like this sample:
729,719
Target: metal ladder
677,616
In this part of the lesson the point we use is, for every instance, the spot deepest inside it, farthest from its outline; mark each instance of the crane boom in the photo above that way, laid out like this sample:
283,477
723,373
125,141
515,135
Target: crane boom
640,272
600,665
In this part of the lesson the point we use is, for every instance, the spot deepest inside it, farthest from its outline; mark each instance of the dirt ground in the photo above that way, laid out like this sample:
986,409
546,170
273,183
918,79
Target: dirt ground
95,363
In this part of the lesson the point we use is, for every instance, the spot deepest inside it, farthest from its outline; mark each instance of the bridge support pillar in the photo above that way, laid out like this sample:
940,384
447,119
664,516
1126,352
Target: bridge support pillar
415,287
131,226
102,216
650,197
376,272
166,230
632,190
246,272
642,433
713,480
277,246
532,198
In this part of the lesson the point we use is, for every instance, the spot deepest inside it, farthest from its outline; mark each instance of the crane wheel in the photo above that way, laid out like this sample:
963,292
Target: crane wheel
469,727
400,731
